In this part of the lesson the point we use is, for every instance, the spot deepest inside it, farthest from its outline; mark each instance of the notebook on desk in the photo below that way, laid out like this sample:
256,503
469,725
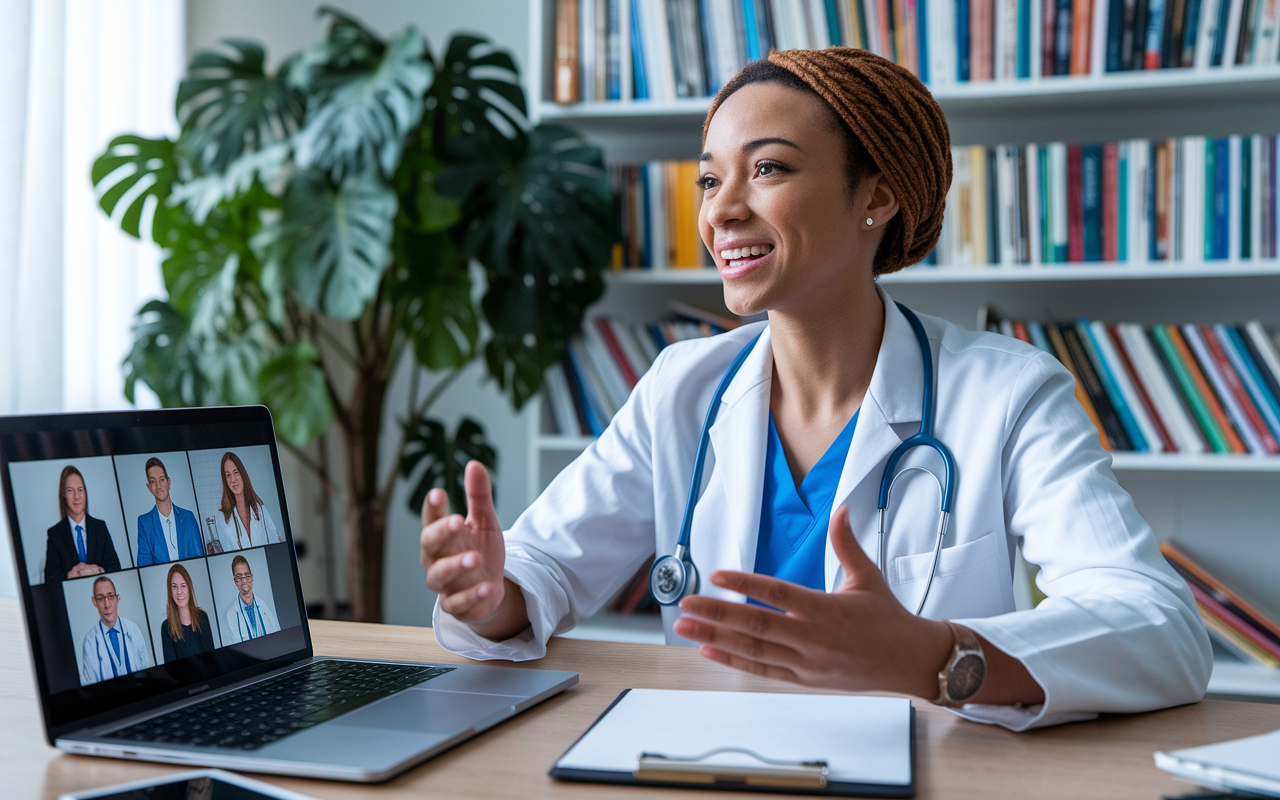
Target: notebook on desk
748,741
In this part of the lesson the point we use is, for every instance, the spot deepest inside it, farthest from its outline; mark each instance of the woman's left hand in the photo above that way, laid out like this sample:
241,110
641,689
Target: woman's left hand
857,638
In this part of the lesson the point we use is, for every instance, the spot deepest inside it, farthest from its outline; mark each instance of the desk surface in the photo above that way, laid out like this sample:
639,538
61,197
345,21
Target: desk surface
1111,757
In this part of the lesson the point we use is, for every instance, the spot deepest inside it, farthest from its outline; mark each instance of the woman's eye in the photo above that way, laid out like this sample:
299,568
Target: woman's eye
766,169
706,182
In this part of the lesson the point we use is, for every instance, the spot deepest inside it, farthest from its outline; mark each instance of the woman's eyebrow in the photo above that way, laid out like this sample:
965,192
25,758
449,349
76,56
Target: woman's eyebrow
756,144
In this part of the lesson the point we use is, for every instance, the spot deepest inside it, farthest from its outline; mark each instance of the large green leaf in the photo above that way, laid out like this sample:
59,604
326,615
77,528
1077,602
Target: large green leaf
432,294
292,385
334,243
228,336
228,105
162,357
201,195
139,172
360,117
477,92
518,363
443,459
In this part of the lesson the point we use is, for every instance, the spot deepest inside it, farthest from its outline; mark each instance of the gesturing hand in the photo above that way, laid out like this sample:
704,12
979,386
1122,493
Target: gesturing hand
857,638
464,558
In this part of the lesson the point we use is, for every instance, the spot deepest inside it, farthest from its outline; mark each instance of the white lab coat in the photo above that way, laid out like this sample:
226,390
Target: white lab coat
262,530
238,617
1118,630
98,657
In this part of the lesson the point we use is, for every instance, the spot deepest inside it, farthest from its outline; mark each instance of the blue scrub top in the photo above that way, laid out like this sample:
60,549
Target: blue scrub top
794,519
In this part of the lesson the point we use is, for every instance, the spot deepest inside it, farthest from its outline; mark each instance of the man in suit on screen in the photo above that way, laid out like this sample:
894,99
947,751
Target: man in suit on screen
79,544
166,532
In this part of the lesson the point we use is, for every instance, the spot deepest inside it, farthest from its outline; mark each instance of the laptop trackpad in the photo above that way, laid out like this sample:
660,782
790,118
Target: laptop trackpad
428,711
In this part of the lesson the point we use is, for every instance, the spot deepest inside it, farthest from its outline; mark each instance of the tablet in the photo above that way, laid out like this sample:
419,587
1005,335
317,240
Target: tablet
205,784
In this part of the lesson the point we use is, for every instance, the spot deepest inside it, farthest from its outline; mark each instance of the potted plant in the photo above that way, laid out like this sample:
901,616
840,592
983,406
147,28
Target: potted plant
365,204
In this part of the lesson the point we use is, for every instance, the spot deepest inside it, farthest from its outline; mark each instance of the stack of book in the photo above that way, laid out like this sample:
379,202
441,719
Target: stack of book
666,49
1168,388
1231,620
600,369
1187,199
657,204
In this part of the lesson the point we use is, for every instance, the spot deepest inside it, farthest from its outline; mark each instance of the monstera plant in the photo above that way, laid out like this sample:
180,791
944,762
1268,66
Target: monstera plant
365,205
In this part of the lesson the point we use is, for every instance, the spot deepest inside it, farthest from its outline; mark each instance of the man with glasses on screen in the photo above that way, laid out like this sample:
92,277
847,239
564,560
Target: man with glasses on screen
114,645
247,618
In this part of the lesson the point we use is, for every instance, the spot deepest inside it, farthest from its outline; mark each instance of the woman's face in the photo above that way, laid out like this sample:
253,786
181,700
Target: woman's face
778,213
179,591
232,475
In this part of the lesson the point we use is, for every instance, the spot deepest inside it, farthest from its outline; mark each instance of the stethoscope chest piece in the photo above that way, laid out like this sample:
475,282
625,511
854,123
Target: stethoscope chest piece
672,578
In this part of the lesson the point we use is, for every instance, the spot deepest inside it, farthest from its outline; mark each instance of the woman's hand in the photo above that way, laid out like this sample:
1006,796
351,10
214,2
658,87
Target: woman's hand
464,560
857,638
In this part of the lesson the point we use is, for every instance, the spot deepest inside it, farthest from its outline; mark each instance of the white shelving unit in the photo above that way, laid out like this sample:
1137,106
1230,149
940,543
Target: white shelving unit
1224,510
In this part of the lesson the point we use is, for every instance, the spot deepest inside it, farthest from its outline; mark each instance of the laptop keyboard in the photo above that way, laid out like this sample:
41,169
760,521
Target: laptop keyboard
260,714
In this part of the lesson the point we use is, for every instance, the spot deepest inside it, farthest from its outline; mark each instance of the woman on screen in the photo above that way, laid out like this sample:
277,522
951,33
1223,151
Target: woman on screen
185,630
245,521
79,544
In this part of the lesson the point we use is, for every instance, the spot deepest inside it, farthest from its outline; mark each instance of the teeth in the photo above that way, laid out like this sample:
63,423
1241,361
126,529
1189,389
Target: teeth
743,252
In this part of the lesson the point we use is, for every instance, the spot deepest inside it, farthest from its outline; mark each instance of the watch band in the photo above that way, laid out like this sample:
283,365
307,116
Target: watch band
962,676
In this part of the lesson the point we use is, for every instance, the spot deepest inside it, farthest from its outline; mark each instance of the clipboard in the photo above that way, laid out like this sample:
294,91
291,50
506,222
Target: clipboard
749,742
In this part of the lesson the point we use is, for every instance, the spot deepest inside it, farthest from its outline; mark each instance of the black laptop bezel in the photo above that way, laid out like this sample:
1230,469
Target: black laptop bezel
97,427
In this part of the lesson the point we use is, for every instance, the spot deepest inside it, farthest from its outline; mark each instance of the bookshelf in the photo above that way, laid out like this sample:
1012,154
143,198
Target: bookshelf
1221,509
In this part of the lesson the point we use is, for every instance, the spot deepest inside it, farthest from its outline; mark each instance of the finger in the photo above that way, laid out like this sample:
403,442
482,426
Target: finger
754,621
440,539
768,590
859,570
480,511
469,605
747,665
434,506
455,573
741,644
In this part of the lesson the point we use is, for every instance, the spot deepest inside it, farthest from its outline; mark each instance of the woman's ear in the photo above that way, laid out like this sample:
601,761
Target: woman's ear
881,202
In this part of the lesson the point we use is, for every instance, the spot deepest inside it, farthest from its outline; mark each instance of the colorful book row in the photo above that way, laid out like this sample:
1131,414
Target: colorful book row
1135,201
1169,388
1231,620
600,369
657,205
666,49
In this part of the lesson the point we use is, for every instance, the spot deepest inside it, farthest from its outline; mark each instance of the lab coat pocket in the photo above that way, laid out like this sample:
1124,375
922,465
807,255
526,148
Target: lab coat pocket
969,580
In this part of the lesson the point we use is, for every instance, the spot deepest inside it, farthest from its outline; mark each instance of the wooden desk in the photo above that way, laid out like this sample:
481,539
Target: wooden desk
1111,757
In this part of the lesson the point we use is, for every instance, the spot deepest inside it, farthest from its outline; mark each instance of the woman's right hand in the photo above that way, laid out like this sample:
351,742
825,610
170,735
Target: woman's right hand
464,559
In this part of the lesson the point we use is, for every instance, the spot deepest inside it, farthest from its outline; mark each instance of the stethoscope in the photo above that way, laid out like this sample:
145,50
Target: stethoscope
674,577
247,617
123,663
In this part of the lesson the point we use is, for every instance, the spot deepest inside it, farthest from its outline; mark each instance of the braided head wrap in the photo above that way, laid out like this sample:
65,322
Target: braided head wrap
898,122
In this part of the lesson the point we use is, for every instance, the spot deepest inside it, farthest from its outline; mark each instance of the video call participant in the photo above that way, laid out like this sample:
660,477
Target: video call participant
245,521
166,532
79,545
247,618
186,630
113,646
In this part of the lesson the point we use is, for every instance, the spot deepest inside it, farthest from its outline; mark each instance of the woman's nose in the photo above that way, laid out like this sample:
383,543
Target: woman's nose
728,204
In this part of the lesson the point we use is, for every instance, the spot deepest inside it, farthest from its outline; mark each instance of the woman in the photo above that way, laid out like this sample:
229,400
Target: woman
245,521
78,545
186,630
821,170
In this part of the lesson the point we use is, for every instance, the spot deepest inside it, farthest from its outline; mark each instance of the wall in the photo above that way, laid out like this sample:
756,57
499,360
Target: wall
284,27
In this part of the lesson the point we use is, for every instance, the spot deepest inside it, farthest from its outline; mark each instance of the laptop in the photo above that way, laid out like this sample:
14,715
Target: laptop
160,590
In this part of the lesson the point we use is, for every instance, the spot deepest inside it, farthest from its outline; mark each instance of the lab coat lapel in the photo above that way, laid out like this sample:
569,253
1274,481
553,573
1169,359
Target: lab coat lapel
894,396
738,441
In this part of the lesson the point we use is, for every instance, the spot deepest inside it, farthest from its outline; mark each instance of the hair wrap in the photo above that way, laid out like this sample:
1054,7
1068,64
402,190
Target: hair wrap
900,124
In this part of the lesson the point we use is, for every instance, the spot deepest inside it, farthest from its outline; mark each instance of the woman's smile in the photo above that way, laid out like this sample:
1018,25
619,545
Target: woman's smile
737,260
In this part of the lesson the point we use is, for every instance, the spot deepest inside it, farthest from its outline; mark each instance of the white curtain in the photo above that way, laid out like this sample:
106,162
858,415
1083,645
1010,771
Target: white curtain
73,75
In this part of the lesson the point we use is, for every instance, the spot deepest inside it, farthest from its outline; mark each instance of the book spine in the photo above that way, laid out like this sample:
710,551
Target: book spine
566,66
1032,198
1205,389
619,355
1039,338
1182,369
601,366
1171,50
1097,393
1110,218
1267,403
1155,34
1228,626
1232,390
1264,354
1160,437
1049,28
560,401
1172,410
1063,353
1095,348
1115,33
1219,590
597,418
1190,34
1075,204
1162,366
1207,34
639,68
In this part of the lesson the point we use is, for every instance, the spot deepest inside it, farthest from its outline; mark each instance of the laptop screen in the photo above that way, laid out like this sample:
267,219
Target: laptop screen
154,555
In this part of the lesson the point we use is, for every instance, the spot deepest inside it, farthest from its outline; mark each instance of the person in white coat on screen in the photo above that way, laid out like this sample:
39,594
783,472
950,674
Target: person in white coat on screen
249,617
114,646
243,520
822,170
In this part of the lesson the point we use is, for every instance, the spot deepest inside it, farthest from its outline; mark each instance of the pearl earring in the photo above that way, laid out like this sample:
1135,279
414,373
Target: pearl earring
870,222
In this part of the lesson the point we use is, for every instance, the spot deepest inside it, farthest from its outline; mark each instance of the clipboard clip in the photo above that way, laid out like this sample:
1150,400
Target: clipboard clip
769,772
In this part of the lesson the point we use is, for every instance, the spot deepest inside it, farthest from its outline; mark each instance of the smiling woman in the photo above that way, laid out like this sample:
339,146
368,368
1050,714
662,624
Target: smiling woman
766,458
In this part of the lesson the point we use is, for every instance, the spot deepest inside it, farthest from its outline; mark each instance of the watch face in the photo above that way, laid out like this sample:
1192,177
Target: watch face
965,677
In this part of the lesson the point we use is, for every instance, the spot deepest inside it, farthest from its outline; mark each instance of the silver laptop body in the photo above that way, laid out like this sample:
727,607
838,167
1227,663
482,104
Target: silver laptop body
100,590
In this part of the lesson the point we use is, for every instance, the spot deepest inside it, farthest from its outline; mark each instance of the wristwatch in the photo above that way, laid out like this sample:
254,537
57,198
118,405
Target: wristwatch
961,677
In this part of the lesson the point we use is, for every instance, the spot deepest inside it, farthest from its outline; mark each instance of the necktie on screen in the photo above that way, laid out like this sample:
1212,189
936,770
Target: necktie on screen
115,641
84,557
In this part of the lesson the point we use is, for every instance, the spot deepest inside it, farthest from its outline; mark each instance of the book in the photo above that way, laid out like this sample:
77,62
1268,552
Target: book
1244,414
1266,401
1158,384
1096,349
1110,421
566,48
1198,577
559,398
